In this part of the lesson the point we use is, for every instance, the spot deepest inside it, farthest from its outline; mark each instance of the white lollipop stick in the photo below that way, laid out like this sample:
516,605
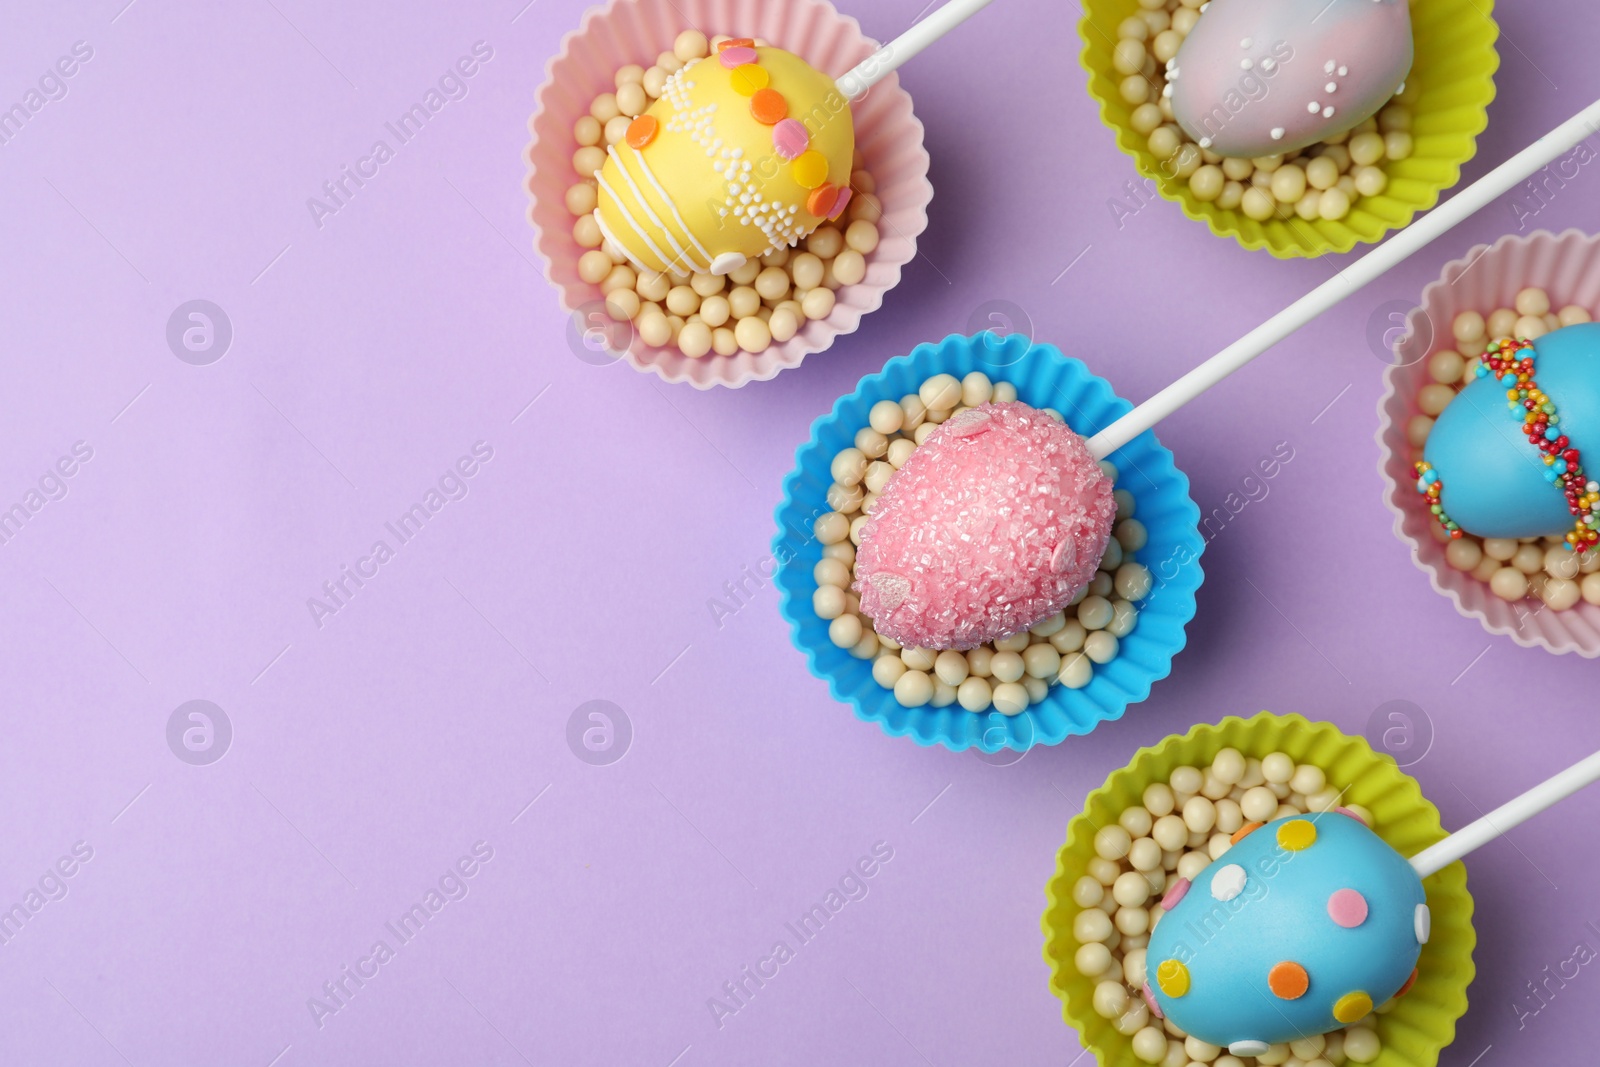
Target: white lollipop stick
1397,249
876,67
1512,813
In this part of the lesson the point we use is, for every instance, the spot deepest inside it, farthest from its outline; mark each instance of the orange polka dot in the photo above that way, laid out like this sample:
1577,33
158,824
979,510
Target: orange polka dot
737,42
749,78
1409,983
1243,832
810,170
1288,980
641,131
820,202
769,107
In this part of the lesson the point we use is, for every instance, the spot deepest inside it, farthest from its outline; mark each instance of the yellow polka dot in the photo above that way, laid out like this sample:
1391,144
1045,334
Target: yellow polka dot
1297,834
810,169
1173,978
1352,1007
749,77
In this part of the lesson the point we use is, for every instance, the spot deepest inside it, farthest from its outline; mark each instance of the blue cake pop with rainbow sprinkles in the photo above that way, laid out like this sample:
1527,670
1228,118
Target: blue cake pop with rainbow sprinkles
1506,457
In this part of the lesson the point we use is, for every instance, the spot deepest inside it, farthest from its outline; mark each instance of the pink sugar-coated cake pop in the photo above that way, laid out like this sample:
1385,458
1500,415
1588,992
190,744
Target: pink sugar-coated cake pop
995,523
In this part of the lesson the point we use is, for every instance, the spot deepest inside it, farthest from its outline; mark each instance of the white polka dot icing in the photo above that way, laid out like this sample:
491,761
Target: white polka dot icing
1296,54
1228,882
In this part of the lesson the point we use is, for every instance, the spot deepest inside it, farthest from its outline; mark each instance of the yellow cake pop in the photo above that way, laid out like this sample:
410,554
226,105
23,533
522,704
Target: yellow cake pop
748,150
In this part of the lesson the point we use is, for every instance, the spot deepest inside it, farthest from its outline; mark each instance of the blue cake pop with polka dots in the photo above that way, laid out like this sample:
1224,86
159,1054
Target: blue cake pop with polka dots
1300,928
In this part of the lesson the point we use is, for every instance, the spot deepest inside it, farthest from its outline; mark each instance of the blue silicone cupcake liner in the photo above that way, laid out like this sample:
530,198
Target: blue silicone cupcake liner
1044,378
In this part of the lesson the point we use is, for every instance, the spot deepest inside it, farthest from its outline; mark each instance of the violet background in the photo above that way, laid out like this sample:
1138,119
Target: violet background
369,754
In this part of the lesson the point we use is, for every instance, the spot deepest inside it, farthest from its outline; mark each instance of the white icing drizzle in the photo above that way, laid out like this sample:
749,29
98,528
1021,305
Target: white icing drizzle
628,215
611,239
650,176
679,252
742,197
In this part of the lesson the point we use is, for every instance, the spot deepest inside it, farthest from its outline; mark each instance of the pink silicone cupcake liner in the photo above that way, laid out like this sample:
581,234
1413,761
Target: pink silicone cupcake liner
1488,277
888,135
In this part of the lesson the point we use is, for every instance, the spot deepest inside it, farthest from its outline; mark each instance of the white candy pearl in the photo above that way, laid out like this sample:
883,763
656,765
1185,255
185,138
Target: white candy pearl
1361,1045
1130,889
887,670
886,417
1101,646
1092,960
1043,661
1137,821
1077,671
1150,1045
1258,804
1091,925
1158,799
1170,832
1007,666
1112,842
1191,864
828,601
1228,766
1145,853
1199,815
951,667
974,694
1308,779
1010,698
913,689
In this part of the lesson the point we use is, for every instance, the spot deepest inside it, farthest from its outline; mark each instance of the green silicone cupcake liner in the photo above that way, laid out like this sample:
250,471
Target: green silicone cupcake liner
1451,81
1422,1022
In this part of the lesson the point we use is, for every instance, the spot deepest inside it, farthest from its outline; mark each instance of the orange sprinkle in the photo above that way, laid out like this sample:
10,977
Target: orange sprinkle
641,131
1409,983
736,42
1243,832
769,107
822,199
1288,980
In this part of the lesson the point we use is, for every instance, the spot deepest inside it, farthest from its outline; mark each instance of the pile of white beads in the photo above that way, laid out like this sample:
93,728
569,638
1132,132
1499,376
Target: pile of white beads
1183,825
767,300
1008,674
1540,567
1321,181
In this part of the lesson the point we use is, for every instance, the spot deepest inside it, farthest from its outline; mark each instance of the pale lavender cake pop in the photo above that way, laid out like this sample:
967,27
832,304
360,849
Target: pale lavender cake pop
1262,77
994,524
